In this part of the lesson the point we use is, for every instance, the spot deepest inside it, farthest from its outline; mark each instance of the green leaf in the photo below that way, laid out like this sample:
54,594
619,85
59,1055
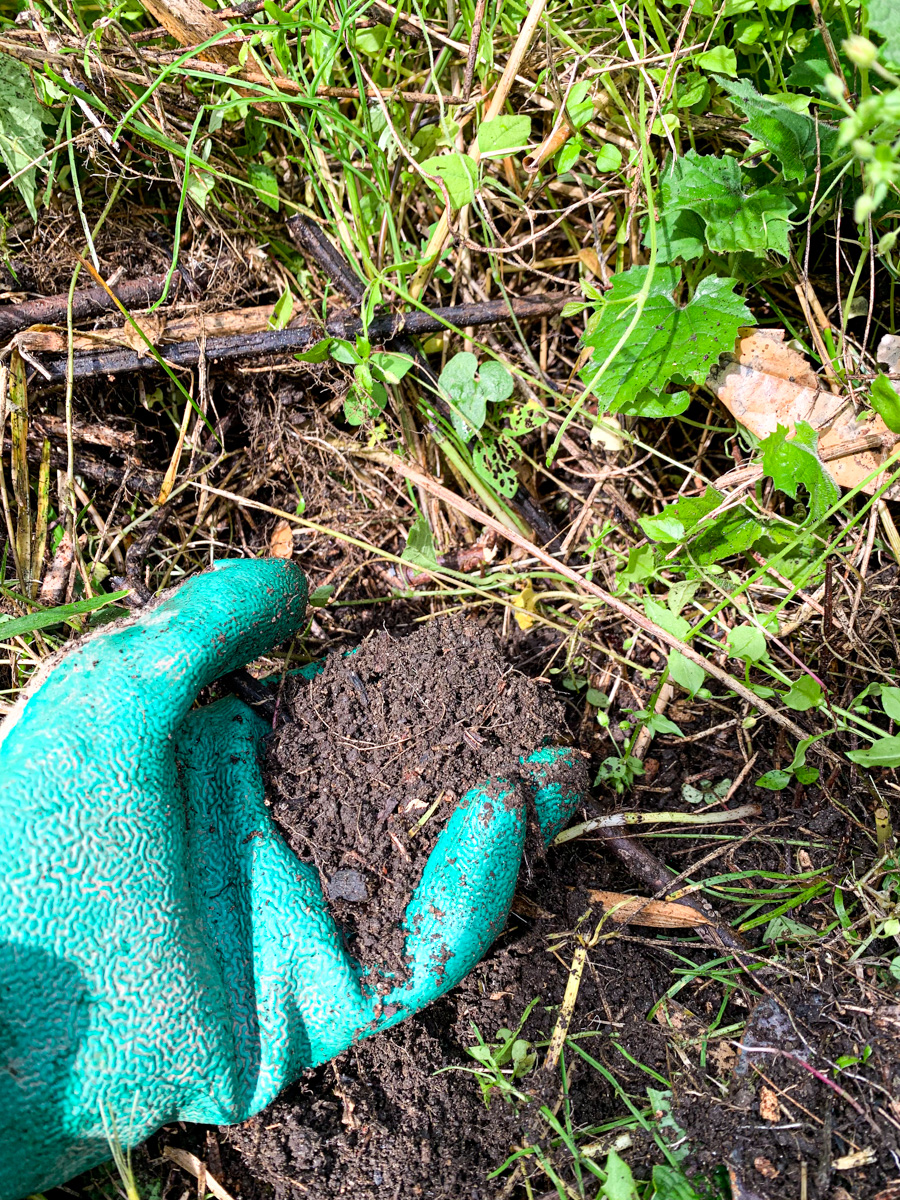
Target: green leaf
363,404
685,673
619,1183
791,137
390,368
494,462
669,1183
679,234
884,752
17,626
653,405
640,566
459,173
264,183
579,107
662,529
804,694
720,59
319,353
747,642
660,723
667,338
370,41
666,619
884,18
569,154
774,781
608,158
884,399
525,418
320,597
469,387
790,462
890,702
503,135
736,218
731,532
419,545
283,310
21,130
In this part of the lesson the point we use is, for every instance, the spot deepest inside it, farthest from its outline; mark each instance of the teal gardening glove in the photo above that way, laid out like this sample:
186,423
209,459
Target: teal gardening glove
163,955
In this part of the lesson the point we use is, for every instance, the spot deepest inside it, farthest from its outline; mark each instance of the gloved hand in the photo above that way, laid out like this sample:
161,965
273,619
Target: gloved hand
163,955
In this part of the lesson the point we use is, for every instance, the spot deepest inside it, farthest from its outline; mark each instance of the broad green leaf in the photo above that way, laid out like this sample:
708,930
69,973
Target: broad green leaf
656,404
420,545
774,781
721,59
669,1183
886,402
685,673
679,234
890,702
731,532
390,368
884,18
667,339
639,567
470,387
884,752
660,723
619,1183
747,642
792,137
370,41
320,597
790,462
569,154
804,694
363,403
21,131
283,310
666,619
736,218
608,158
525,418
17,626
503,135
662,529
319,353
459,173
579,107
264,183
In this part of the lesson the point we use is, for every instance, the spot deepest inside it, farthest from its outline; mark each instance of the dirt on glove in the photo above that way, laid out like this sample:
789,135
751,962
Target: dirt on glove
377,750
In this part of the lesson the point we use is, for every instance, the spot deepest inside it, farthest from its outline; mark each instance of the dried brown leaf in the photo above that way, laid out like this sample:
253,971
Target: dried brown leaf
281,540
769,1108
659,914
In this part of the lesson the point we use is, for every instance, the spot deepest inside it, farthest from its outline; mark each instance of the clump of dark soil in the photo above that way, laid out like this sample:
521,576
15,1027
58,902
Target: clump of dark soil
376,752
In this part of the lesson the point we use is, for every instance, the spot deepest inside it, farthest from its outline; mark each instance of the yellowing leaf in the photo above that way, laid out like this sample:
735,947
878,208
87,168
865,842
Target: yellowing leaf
525,606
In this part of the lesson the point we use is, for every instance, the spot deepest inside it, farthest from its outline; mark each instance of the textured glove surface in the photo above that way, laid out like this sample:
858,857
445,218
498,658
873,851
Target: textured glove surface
163,955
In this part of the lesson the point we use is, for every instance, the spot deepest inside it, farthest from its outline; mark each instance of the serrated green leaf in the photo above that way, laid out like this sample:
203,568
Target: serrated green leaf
790,462
886,402
667,338
419,548
679,234
731,532
884,752
736,218
264,183
793,138
503,135
884,18
459,173
21,130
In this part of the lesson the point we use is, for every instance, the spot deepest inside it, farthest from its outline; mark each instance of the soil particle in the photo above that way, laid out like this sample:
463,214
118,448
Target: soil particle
379,748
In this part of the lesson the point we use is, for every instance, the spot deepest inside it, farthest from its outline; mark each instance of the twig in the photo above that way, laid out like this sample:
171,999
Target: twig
472,56
342,324
86,302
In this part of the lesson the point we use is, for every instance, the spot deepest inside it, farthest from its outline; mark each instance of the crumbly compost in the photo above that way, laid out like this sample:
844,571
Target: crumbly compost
376,752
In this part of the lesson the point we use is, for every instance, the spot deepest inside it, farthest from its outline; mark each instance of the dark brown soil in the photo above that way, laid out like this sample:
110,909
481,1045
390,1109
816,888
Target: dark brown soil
386,738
